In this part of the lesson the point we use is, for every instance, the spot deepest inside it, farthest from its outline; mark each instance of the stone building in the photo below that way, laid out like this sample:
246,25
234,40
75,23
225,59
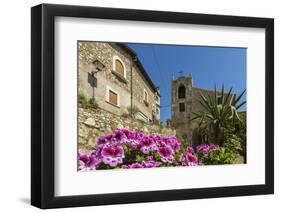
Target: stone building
185,101
111,74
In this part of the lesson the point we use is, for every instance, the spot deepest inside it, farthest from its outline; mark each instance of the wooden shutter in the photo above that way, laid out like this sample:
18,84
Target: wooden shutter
119,67
113,97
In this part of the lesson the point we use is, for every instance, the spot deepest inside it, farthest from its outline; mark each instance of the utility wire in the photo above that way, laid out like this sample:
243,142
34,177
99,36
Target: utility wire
164,106
161,74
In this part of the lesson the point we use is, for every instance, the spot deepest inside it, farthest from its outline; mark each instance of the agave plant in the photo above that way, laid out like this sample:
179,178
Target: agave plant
219,110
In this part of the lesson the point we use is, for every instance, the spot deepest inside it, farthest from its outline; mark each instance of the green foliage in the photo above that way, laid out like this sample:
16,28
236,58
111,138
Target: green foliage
87,103
241,132
221,156
161,126
233,144
186,143
228,154
220,110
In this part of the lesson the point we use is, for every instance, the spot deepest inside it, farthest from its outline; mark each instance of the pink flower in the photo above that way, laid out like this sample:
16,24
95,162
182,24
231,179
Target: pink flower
188,158
173,142
206,149
124,145
112,154
166,153
148,145
133,166
88,162
150,164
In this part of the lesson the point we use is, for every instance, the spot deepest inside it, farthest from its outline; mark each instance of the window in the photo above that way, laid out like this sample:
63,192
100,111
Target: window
119,67
181,92
156,98
181,107
113,97
145,96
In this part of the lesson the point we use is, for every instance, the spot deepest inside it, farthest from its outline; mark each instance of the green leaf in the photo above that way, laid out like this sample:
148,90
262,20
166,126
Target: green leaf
239,97
241,104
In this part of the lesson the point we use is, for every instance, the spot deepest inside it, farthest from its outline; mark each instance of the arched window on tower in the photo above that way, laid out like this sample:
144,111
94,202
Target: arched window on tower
181,92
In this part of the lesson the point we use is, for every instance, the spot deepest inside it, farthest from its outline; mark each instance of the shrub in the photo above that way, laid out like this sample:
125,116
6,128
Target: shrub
87,103
219,111
221,156
161,126
211,154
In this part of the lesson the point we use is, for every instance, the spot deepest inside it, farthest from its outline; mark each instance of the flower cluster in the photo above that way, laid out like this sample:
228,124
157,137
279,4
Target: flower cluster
128,149
189,158
205,149
148,163
88,162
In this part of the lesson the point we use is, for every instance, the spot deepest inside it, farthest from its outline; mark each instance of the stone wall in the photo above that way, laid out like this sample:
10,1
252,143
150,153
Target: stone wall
96,86
93,123
139,85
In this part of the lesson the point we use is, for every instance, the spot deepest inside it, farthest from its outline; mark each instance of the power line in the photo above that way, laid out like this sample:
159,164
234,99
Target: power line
159,70
165,106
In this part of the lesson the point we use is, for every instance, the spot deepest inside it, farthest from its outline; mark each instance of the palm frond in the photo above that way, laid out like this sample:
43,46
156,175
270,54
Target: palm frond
222,93
239,97
241,104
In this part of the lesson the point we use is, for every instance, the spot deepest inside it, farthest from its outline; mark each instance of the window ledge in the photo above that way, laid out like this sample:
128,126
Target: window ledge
120,77
113,104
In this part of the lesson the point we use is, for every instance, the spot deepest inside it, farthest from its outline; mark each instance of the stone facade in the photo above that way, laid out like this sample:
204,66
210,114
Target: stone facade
187,129
181,120
97,82
93,123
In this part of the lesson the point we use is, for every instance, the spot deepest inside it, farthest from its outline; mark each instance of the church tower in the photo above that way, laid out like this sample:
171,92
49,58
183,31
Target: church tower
182,107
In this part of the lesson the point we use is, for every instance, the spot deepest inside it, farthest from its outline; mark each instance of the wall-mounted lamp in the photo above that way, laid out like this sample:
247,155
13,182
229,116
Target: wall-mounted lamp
98,65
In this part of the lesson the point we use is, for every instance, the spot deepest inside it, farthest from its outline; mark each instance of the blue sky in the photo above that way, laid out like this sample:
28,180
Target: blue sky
208,65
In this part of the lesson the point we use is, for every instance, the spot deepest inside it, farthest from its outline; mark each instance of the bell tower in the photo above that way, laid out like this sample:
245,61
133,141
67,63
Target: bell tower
181,107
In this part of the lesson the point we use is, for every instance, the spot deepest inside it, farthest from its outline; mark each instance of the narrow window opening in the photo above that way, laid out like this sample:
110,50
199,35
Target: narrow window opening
181,92
181,107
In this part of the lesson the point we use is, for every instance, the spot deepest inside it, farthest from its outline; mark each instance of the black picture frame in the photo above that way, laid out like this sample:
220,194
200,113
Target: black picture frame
43,102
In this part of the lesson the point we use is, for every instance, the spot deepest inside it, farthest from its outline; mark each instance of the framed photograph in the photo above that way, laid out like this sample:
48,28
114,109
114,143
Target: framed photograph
139,106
